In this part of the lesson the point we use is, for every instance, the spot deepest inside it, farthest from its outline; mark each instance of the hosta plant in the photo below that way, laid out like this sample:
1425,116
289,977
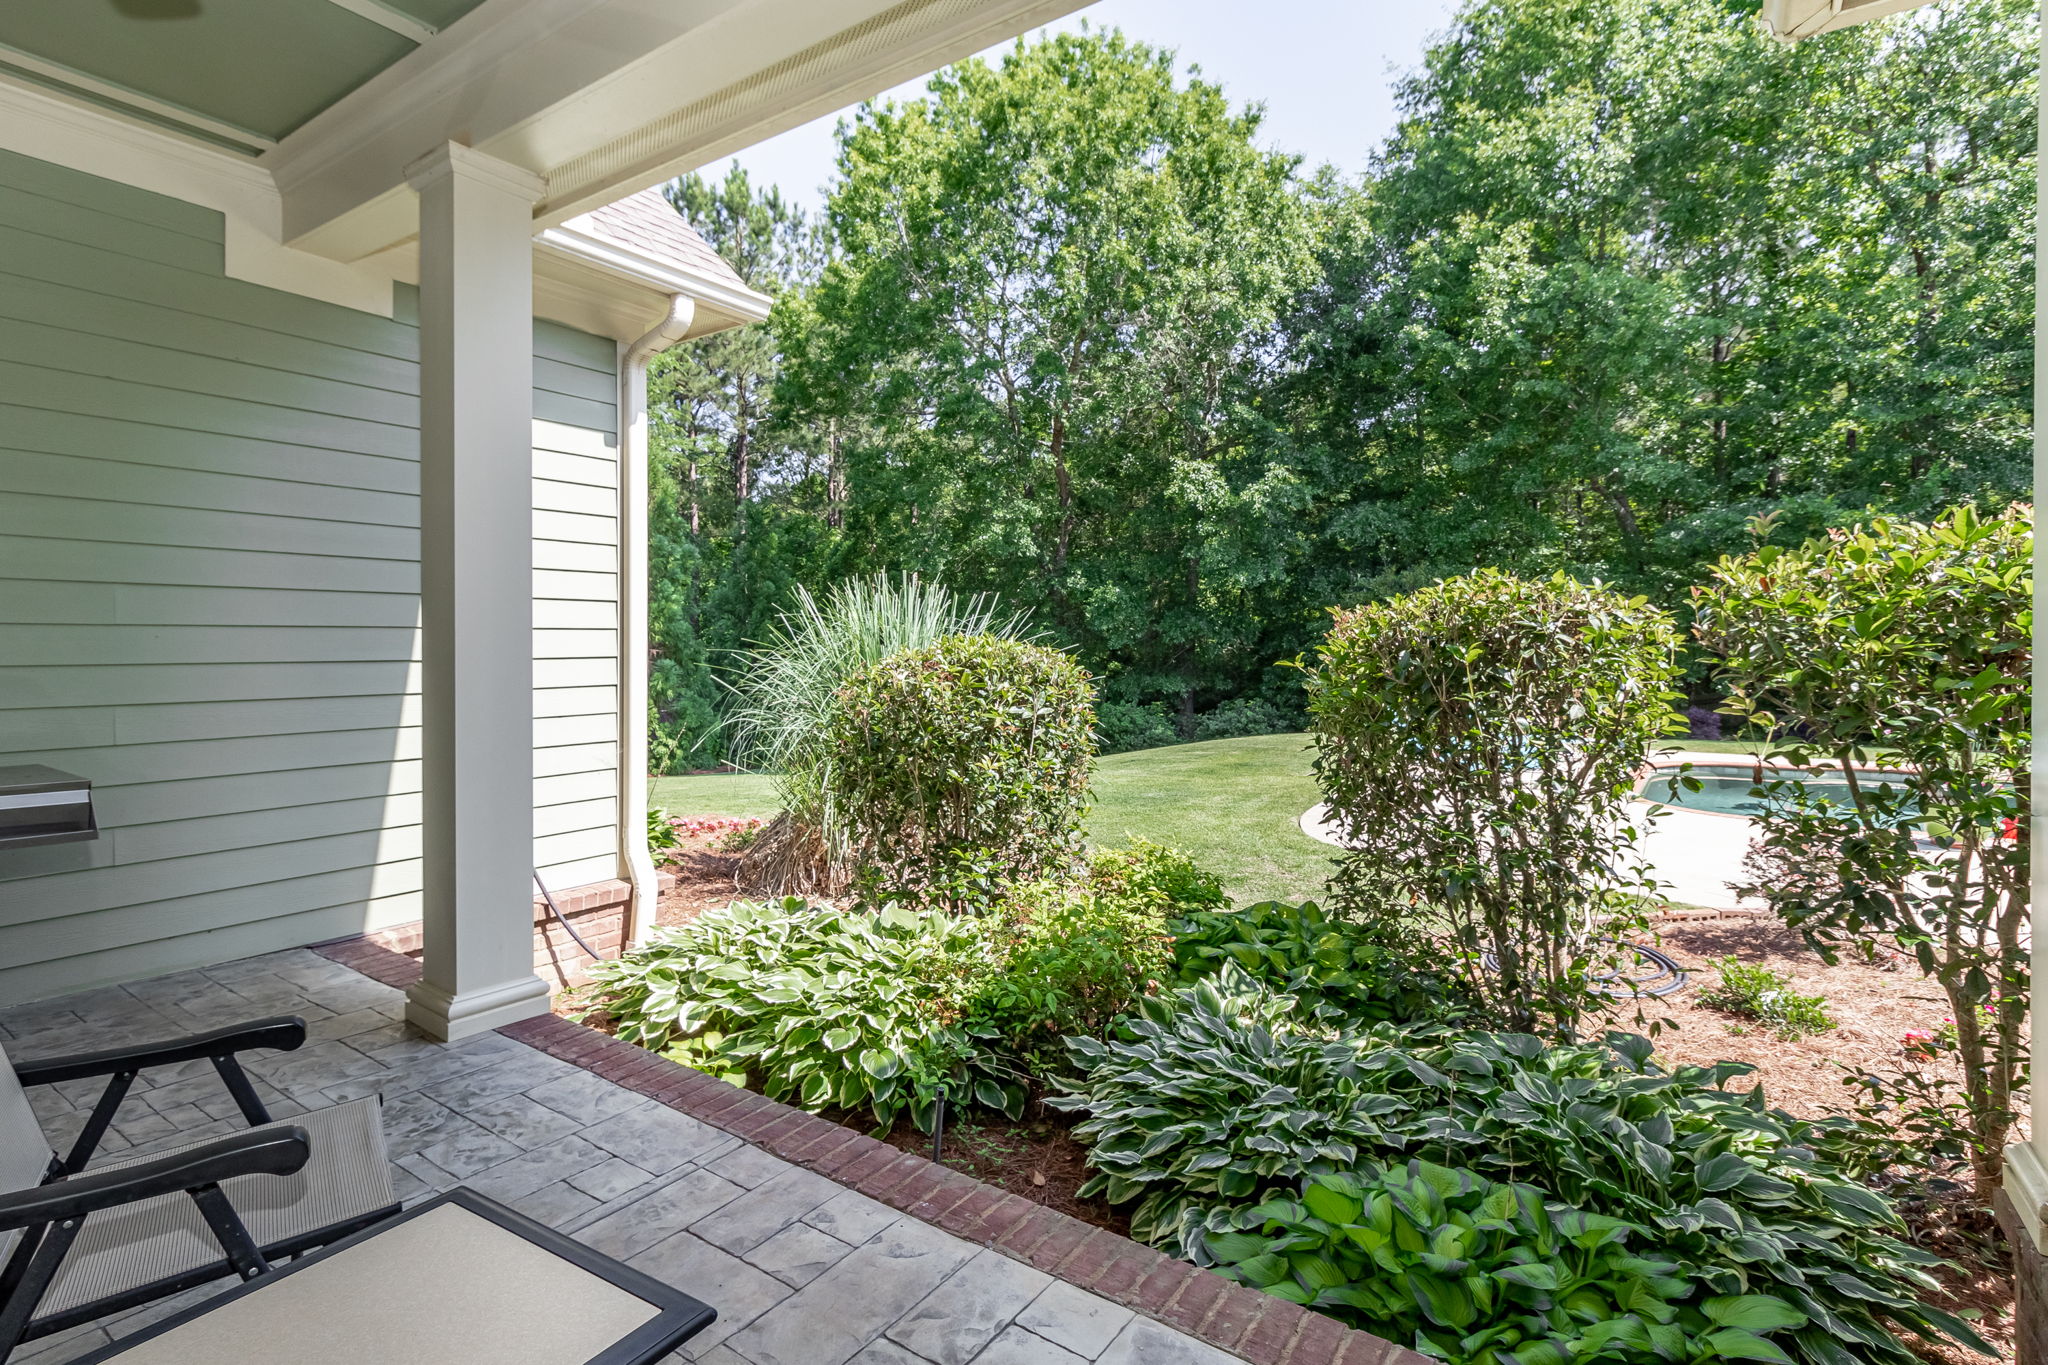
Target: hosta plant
1360,971
1216,1101
1479,1273
821,1008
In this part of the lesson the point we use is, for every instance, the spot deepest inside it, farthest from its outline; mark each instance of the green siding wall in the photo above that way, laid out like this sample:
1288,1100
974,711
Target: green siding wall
208,594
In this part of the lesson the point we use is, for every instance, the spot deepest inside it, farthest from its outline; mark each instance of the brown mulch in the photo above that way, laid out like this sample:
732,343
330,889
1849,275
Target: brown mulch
1873,1006
1035,1158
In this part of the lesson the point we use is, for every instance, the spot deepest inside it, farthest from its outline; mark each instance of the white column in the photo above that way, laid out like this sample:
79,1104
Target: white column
2026,1163
476,591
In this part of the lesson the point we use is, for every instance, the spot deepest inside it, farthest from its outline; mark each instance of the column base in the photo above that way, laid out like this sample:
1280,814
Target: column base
452,1018
2018,1205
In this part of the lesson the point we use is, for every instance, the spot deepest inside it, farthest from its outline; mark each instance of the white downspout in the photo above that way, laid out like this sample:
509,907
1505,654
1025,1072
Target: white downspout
634,860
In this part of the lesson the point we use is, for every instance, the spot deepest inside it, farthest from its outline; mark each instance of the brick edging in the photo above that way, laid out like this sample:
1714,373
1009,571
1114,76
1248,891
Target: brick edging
1254,1326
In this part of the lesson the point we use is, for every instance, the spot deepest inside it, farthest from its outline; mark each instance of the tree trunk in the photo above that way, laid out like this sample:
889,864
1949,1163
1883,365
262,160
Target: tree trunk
835,479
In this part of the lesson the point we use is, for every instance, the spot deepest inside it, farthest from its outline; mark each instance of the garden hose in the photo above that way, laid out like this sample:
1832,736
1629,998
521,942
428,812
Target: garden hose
1668,979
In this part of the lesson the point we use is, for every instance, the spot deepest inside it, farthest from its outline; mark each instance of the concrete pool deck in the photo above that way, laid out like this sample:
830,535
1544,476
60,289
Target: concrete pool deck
1693,854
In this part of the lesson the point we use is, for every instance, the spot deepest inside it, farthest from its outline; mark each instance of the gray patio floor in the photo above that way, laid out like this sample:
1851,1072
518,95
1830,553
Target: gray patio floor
801,1270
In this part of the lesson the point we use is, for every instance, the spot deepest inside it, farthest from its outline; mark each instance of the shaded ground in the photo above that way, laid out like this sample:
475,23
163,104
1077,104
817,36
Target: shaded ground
1033,1159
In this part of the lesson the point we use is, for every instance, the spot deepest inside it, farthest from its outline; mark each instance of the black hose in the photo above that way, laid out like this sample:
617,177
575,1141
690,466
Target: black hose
1669,979
562,919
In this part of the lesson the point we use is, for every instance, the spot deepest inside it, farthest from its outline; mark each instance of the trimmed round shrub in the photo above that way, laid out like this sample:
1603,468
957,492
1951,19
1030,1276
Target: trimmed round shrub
1479,741
961,767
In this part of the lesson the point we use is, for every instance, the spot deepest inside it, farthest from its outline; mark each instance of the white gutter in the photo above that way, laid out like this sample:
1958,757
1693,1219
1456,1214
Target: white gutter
643,268
634,859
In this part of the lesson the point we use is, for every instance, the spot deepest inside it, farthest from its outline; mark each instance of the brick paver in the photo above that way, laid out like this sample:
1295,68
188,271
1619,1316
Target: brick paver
818,1246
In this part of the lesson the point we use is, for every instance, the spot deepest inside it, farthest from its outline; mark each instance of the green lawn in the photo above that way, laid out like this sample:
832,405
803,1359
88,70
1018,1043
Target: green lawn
1230,803
718,794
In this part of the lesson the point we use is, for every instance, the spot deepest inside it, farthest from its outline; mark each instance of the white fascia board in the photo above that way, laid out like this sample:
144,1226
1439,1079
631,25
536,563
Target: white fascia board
48,126
606,97
1791,20
663,277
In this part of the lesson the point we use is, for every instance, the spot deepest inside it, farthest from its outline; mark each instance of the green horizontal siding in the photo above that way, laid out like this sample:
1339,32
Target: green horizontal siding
209,593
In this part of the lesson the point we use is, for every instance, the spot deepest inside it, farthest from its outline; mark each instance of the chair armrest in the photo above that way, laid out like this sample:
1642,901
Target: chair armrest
269,1151
285,1033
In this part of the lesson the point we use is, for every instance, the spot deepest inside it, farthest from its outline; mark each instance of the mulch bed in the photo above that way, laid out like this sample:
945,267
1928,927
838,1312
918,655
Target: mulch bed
1873,1006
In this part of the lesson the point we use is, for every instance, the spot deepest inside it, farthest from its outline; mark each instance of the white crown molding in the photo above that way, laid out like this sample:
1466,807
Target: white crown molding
50,127
454,159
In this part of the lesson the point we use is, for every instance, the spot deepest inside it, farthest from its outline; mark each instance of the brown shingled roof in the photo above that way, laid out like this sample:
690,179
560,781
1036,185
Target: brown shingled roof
648,222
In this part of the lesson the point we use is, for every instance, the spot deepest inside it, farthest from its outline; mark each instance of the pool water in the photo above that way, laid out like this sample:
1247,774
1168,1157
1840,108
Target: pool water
1729,788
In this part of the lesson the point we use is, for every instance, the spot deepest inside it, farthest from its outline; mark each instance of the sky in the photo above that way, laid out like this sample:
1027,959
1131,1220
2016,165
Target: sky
1325,70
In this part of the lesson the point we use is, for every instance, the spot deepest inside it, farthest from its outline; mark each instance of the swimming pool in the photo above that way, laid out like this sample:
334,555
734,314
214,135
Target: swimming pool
1730,788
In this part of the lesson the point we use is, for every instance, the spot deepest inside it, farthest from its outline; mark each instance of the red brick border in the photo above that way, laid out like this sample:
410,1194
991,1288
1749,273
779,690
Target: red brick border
1256,1327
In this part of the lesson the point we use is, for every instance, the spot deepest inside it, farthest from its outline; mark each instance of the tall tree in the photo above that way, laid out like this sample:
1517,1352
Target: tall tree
1054,303
721,559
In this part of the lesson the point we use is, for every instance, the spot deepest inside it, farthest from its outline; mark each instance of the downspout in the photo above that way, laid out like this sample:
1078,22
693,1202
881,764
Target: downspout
634,859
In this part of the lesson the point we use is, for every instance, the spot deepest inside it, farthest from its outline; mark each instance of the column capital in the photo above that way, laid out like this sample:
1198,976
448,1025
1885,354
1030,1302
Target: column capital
454,159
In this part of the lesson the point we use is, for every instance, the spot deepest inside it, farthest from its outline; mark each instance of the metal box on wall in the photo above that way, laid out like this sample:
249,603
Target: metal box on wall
40,805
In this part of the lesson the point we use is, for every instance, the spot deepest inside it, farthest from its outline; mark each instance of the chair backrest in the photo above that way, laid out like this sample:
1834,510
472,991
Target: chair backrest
25,1153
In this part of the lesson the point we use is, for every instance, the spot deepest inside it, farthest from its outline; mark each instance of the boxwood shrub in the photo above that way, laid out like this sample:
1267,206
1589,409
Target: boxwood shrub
961,766
1478,741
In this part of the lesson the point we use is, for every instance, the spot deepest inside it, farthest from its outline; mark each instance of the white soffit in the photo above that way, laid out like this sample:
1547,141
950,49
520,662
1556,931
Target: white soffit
605,97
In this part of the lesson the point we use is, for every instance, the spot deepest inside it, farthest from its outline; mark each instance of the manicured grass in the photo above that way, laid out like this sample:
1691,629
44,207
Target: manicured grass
1231,804
717,794
1718,746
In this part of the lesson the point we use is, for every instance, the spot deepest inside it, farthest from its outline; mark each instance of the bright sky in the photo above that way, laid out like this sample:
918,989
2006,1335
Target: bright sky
1325,70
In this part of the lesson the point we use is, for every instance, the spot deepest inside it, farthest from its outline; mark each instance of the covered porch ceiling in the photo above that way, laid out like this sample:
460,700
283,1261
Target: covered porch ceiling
328,101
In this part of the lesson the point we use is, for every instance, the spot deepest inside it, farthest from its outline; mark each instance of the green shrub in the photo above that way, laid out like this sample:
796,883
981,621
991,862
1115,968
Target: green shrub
1479,1273
661,832
1479,740
1917,638
1164,878
1360,972
1122,726
1212,1102
961,766
1243,716
818,1007
1766,996
1075,961
786,693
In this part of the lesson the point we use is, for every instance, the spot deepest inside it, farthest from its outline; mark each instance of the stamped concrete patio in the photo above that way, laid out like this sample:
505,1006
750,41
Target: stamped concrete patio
646,1161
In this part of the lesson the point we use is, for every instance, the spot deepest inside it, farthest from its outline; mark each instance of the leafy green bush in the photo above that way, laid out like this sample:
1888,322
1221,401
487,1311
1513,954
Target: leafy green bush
787,692
1357,971
662,834
1917,638
1479,1273
1152,874
1123,726
1074,961
1242,716
1766,996
1212,1102
818,1007
1479,741
960,766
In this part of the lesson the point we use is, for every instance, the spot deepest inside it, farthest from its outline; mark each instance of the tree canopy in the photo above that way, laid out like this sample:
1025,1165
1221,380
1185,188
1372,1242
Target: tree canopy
1624,277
